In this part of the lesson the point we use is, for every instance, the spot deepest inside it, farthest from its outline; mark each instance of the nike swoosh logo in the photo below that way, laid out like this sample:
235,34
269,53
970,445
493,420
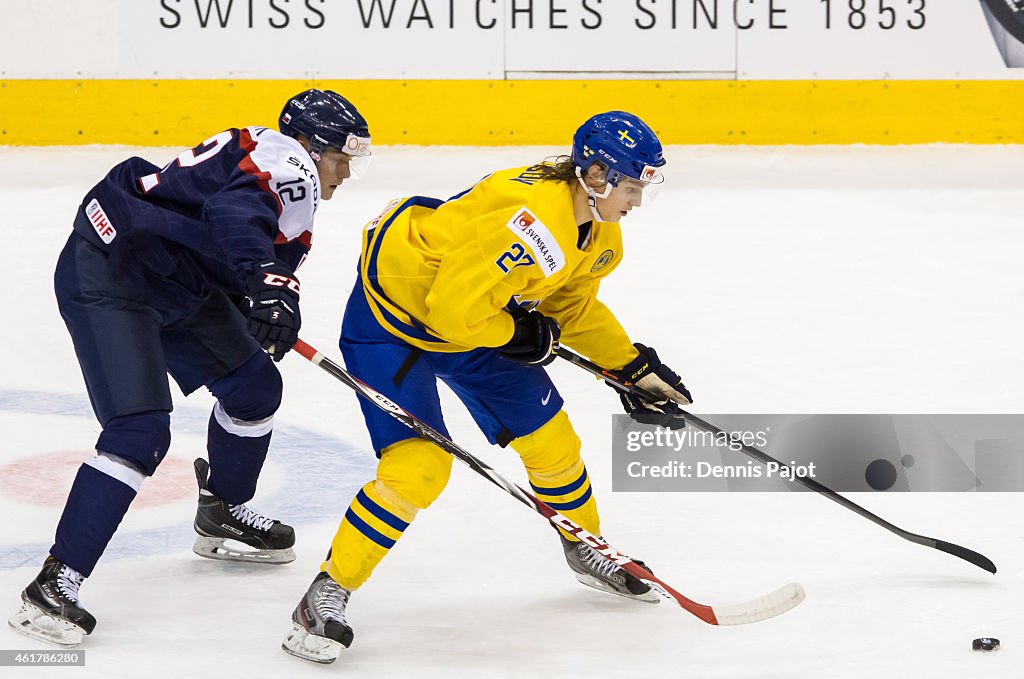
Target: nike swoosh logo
544,401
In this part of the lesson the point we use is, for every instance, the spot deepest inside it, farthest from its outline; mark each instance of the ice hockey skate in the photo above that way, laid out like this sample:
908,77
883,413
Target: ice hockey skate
235,532
593,570
319,628
50,609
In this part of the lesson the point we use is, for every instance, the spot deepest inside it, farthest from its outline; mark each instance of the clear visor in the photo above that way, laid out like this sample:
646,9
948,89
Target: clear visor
358,150
358,166
638,192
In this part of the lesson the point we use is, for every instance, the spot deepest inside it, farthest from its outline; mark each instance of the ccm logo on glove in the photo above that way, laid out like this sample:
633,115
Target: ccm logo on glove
274,317
274,279
650,374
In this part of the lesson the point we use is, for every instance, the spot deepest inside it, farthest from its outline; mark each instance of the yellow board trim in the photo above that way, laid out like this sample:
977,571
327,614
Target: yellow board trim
514,112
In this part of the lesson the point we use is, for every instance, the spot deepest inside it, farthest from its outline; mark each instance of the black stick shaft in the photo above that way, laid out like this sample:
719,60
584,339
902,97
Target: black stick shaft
619,382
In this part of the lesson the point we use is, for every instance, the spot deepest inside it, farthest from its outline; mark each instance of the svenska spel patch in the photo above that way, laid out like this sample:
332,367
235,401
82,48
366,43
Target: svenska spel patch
540,240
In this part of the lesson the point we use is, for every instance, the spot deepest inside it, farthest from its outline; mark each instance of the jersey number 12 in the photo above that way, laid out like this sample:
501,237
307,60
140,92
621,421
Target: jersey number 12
190,158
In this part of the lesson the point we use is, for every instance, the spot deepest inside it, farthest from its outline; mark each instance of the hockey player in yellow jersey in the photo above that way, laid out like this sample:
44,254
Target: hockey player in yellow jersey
478,291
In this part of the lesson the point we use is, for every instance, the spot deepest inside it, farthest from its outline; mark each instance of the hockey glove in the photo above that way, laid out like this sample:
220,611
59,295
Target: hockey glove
534,340
274,317
650,374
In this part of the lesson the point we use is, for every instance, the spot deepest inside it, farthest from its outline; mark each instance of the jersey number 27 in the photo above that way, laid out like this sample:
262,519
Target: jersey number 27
515,256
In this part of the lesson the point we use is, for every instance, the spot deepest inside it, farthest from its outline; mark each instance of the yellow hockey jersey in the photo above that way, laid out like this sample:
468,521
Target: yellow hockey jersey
440,274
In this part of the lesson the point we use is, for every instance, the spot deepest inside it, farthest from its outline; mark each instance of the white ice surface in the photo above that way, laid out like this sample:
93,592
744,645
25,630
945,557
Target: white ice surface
850,279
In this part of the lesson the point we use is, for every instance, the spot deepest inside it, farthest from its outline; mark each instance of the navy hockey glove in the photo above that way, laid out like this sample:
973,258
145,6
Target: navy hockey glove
274,317
534,340
649,373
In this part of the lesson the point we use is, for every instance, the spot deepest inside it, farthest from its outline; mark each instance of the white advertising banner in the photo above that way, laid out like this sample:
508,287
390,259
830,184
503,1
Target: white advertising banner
497,39
874,39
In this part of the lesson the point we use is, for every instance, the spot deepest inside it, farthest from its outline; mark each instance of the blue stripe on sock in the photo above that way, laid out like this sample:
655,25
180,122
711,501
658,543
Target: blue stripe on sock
381,513
368,530
563,490
574,504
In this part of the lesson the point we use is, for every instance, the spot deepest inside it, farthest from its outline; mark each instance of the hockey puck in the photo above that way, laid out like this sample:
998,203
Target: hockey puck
985,644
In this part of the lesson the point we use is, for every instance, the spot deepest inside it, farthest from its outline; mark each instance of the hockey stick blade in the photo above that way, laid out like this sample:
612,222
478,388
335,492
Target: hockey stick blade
765,607
768,606
979,560
969,555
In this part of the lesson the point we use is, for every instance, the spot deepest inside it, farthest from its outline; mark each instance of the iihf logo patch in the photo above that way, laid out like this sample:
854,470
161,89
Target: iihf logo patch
100,221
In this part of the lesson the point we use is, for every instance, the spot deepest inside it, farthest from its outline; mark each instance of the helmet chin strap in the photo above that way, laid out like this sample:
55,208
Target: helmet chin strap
592,195
592,202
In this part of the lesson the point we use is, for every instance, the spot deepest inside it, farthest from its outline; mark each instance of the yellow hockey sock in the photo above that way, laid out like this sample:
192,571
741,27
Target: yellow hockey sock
551,456
410,475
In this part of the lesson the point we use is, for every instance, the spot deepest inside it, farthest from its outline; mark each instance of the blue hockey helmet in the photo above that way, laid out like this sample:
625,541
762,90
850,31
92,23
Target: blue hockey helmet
328,120
623,144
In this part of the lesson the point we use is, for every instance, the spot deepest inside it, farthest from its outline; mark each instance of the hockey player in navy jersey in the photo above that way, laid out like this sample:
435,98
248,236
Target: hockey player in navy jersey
147,285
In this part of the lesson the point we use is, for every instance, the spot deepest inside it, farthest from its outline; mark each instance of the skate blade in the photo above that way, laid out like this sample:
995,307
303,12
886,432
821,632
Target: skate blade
648,597
35,623
302,644
218,548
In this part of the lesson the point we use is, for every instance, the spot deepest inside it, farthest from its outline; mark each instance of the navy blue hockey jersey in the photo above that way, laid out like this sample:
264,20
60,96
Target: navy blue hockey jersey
209,216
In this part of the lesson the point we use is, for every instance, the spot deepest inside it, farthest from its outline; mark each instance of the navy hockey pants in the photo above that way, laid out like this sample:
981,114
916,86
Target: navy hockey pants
126,345
127,342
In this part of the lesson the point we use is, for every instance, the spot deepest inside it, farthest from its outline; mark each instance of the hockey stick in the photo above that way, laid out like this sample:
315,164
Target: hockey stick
623,384
768,606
